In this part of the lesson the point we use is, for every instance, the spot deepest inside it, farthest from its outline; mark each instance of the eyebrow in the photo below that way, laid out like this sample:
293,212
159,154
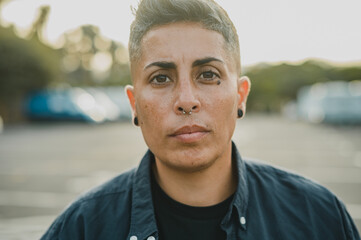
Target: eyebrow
205,60
165,65
172,65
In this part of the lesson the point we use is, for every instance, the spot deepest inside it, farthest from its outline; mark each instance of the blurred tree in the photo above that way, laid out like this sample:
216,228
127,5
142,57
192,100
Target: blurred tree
275,85
25,65
90,59
38,25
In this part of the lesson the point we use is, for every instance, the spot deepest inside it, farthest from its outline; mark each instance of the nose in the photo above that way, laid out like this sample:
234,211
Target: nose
187,101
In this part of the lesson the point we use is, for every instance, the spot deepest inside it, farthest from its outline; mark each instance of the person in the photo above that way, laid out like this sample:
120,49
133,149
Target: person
192,183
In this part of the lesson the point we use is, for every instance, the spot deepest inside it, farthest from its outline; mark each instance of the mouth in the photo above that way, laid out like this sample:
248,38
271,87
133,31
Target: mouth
190,134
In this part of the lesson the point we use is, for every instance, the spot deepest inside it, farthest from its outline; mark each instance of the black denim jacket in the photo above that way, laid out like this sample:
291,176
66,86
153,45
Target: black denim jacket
269,203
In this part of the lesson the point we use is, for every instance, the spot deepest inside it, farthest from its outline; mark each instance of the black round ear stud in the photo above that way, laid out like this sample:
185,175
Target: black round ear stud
240,113
135,121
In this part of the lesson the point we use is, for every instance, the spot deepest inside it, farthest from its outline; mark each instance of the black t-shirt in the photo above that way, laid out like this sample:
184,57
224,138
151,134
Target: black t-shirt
179,221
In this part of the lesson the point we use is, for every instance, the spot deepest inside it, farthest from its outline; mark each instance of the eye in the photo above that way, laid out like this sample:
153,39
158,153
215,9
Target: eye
208,76
160,79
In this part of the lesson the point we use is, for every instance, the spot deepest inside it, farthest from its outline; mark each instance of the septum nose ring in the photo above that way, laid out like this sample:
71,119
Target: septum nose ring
189,113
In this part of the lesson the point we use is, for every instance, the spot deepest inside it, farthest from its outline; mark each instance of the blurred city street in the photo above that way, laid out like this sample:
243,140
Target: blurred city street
44,166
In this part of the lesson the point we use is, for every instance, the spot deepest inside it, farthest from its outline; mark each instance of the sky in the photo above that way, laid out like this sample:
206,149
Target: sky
269,31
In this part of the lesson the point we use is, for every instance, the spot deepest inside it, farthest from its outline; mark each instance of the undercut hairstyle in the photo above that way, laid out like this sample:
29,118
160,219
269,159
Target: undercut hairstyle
154,13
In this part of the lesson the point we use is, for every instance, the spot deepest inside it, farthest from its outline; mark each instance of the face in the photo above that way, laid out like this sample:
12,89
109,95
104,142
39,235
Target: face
185,67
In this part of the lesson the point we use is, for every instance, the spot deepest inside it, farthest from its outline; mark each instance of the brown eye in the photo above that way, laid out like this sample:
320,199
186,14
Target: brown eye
160,79
208,76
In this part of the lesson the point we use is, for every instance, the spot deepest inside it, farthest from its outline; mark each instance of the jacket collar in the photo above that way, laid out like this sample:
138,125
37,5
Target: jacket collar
143,223
240,200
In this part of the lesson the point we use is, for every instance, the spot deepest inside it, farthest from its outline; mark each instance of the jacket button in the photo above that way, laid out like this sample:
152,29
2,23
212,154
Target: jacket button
151,238
242,220
133,238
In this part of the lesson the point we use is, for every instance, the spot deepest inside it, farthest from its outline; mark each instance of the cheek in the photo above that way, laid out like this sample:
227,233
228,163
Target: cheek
224,114
223,105
151,109
149,120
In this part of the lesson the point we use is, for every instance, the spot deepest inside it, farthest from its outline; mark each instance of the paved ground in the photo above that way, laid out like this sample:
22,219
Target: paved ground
44,166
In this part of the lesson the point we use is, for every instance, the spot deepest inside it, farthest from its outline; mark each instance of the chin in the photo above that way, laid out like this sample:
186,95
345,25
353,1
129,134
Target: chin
188,162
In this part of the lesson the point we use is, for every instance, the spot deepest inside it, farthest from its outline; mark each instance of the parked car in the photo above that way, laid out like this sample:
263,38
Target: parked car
94,105
64,104
118,96
331,102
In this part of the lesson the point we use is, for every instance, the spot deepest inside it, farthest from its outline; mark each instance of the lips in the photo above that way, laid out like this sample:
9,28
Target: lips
190,134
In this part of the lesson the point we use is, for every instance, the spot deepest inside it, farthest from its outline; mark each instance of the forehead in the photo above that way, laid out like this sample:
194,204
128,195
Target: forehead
181,41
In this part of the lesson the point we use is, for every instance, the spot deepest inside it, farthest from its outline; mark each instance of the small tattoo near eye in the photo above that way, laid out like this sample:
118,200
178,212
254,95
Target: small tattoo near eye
219,82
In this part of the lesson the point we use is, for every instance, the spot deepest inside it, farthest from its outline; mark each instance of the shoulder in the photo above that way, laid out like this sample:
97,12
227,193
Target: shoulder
281,179
118,185
119,188
108,203
293,200
284,189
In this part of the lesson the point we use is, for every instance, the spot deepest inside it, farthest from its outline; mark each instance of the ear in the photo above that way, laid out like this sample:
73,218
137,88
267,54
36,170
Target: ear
129,90
244,86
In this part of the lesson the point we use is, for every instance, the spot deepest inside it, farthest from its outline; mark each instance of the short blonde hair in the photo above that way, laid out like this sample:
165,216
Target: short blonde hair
152,13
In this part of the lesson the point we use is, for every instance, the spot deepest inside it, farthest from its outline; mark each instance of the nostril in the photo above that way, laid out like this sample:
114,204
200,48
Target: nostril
194,107
180,109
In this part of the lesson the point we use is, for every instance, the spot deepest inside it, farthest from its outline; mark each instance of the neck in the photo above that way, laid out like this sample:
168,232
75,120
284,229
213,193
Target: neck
201,188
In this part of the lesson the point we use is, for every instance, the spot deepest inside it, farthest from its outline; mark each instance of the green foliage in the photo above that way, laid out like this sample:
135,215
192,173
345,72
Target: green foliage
25,65
274,85
81,48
